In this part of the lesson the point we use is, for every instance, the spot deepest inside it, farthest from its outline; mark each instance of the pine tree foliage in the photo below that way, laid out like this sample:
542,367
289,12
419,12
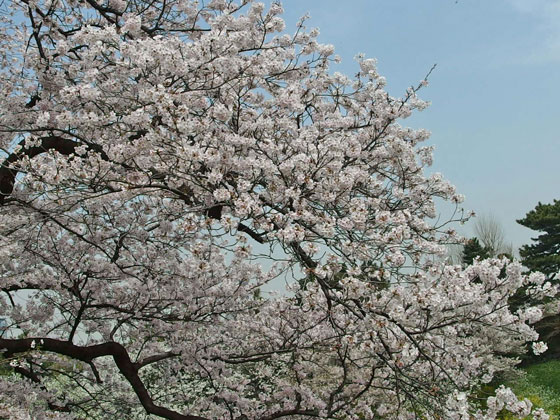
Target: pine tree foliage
544,254
473,250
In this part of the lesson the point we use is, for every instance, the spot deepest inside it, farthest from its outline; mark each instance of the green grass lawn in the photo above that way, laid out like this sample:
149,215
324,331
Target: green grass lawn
540,384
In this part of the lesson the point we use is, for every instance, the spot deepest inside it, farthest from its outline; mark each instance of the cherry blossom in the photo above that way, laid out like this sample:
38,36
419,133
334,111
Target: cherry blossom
166,165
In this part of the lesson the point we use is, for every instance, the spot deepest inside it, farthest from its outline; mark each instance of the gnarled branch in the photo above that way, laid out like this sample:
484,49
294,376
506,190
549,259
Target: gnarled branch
86,354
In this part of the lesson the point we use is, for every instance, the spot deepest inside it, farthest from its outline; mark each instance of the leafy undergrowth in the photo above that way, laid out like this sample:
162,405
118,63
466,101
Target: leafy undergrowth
539,383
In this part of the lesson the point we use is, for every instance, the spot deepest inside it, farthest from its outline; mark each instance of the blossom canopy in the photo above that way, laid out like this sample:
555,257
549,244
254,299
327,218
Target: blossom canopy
163,161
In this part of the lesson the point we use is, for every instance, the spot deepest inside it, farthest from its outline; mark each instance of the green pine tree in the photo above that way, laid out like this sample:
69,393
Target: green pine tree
544,254
472,250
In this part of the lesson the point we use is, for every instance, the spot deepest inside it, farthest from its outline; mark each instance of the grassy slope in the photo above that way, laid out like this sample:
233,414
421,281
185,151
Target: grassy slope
540,383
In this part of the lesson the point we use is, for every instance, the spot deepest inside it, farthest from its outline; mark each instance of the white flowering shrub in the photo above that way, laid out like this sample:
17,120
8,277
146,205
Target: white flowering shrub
165,160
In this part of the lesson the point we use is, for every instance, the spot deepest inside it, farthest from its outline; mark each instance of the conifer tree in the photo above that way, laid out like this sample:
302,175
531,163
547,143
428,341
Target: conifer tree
544,254
472,250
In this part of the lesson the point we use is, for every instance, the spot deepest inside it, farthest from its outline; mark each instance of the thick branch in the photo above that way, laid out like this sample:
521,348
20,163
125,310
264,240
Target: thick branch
290,413
8,174
156,358
66,147
86,354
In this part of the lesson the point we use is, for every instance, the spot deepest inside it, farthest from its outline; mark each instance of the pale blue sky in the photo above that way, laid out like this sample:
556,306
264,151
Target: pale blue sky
495,112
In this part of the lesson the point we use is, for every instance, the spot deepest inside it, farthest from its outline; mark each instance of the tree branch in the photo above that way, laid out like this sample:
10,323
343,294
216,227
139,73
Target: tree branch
86,354
62,145
156,358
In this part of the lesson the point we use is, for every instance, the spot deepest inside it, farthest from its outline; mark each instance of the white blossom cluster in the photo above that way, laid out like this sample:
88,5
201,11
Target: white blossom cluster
163,162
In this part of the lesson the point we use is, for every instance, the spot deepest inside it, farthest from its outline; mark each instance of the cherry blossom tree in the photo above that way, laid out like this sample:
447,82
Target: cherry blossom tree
163,161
